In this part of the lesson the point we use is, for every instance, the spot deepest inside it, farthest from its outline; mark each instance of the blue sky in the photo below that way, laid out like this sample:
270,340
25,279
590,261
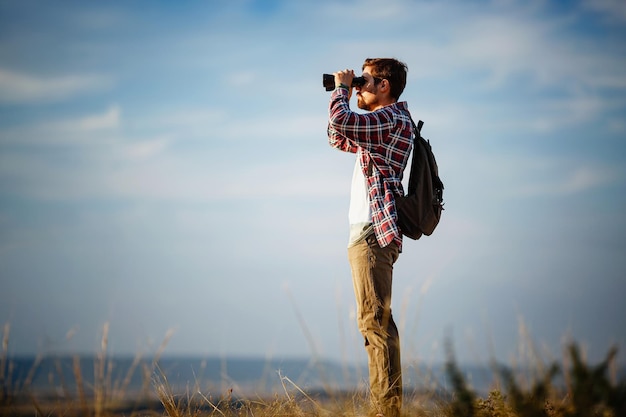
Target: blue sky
164,166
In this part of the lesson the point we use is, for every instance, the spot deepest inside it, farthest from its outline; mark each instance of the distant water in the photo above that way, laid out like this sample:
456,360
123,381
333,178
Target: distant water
181,374
215,376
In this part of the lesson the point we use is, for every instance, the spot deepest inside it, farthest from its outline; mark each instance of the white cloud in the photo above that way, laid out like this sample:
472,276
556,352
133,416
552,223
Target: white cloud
145,148
99,19
584,178
18,87
87,130
575,110
110,119
242,79
617,125
369,10
509,46
614,10
556,178
108,162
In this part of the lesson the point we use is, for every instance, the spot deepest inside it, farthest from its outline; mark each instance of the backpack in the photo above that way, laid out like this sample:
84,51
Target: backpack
420,210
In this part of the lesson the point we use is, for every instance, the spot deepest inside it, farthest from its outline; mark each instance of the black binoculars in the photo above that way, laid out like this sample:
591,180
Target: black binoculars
328,80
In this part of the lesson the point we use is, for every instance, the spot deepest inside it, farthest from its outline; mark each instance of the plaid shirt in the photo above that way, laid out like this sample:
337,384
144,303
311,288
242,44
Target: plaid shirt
385,135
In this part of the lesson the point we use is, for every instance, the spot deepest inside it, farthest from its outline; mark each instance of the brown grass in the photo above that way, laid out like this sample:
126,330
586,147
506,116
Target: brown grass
586,391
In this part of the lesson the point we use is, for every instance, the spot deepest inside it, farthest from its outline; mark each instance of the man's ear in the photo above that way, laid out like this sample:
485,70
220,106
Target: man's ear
384,88
384,85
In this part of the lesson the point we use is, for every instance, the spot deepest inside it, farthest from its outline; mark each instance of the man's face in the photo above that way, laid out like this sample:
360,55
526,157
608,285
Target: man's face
367,96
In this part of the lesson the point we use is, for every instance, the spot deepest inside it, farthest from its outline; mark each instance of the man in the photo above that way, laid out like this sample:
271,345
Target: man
382,141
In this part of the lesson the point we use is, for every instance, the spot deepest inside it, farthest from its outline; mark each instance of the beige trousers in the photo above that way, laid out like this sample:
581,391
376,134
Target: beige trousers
372,269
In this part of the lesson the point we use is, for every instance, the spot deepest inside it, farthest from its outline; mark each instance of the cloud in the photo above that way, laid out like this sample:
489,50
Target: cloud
108,160
556,178
508,47
87,130
146,148
110,119
613,10
575,110
242,79
90,148
369,10
98,19
20,88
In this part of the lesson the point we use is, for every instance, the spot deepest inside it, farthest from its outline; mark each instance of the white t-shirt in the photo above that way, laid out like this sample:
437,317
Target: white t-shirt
359,213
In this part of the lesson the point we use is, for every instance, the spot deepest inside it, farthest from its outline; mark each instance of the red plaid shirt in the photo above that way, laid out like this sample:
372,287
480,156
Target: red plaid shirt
385,135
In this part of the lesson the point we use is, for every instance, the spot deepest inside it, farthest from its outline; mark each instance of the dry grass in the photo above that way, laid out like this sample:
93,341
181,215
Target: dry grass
585,391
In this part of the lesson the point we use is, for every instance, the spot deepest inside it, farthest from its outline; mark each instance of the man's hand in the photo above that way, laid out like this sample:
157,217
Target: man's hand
345,77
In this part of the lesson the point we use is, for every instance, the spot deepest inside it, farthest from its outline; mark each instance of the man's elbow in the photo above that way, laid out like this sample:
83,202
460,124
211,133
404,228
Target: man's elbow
336,120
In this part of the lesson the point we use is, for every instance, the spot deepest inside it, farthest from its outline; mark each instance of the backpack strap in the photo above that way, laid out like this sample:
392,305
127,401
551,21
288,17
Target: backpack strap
417,129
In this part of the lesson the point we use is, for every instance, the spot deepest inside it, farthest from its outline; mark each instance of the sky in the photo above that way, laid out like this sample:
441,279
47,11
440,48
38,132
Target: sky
165,169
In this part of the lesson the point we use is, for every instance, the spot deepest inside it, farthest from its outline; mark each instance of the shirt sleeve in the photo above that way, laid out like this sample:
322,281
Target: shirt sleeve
335,138
338,141
364,130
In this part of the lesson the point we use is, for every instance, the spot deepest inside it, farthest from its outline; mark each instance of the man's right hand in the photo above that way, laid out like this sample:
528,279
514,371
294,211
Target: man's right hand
345,77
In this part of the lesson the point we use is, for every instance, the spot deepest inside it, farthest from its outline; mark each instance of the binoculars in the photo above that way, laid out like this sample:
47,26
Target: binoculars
328,80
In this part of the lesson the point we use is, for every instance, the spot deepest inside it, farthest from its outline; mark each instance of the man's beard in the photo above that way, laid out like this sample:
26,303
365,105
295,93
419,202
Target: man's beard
362,104
360,101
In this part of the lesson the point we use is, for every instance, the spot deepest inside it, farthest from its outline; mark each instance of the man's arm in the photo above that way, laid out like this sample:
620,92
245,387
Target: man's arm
335,138
365,130
338,141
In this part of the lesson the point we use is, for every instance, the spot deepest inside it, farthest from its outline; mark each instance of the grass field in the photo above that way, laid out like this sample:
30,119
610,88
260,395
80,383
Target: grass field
572,388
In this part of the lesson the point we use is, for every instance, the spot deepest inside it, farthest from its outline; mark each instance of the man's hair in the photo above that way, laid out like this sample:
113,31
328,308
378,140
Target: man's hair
391,70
